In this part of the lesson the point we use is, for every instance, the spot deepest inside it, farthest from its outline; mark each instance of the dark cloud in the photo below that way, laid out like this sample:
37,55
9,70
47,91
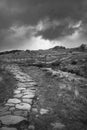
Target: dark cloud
59,30
31,12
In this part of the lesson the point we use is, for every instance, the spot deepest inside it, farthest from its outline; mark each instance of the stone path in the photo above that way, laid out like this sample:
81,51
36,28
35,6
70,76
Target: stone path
18,107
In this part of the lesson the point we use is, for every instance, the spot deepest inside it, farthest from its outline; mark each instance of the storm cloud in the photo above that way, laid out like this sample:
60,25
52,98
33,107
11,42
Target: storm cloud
56,21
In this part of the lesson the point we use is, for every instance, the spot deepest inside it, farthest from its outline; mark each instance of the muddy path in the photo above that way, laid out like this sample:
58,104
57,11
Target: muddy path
44,99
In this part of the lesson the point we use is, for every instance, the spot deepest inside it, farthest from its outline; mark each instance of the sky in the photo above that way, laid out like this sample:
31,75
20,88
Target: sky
42,24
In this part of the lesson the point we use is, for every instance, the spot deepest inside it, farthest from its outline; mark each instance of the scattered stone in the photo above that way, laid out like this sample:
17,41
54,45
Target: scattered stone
76,93
37,116
62,86
69,87
14,100
31,127
10,119
57,125
7,128
43,111
23,106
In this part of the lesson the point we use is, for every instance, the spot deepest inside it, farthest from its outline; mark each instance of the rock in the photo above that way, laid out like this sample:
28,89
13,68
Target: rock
21,89
62,86
23,106
27,101
32,88
31,127
10,119
21,113
5,113
14,101
22,85
9,104
76,93
57,125
43,111
18,76
35,110
11,108
18,95
23,79
32,83
29,95
17,91
7,128
69,87
3,109
29,90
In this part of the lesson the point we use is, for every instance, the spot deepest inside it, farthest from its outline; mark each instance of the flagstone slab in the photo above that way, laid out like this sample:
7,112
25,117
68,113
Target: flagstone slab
11,108
34,110
30,95
5,113
14,101
9,104
18,76
4,108
11,119
21,113
23,106
21,89
17,91
32,83
29,90
22,85
18,95
27,101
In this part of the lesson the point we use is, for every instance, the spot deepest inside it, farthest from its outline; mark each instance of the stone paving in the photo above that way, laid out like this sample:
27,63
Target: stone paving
15,113
17,108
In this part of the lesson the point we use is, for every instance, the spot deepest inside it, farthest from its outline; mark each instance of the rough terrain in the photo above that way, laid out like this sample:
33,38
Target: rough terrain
44,94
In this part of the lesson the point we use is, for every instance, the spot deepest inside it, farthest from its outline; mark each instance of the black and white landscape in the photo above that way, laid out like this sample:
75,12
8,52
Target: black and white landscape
43,65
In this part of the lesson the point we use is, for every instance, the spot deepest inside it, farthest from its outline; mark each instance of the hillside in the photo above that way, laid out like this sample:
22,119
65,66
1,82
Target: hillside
44,89
70,60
